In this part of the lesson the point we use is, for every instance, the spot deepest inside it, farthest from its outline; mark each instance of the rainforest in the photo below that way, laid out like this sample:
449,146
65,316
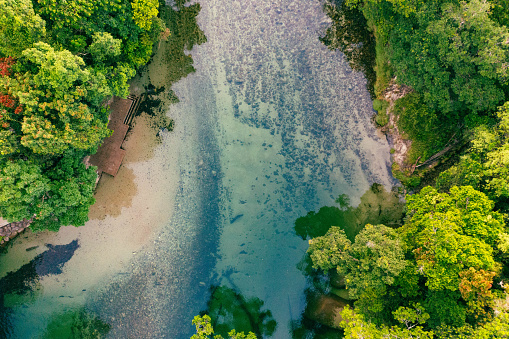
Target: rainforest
291,169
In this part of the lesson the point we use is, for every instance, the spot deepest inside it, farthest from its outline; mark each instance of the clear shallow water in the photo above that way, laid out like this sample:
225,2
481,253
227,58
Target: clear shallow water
271,125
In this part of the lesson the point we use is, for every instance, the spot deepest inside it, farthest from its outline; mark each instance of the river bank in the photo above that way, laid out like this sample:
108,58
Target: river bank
271,125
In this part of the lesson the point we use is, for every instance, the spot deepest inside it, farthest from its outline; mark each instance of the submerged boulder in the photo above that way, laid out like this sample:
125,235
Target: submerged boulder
325,309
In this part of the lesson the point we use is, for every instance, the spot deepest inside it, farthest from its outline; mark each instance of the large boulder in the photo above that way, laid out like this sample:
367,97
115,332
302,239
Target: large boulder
325,309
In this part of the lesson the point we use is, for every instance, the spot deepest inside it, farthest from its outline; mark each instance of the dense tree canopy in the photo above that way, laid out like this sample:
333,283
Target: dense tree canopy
53,192
453,54
59,61
52,88
20,26
441,261
485,165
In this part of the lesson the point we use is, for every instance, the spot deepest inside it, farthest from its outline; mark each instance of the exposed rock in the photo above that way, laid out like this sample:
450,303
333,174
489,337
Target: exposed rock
9,231
399,144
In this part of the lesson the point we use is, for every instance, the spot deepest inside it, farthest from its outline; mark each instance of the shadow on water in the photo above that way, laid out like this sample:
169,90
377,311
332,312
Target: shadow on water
326,295
377,207
185,35
230,310
25,279
175,64
349,33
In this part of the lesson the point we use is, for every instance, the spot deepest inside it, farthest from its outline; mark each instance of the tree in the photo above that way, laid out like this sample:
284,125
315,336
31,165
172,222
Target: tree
54,93
475,288
104,46
370,264
144,11
53,192
22,187
357,327
448,233
20,27
485,165
329,251
204,330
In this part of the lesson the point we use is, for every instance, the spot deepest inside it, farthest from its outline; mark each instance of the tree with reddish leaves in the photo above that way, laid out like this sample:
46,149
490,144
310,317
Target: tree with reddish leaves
9,110
5,66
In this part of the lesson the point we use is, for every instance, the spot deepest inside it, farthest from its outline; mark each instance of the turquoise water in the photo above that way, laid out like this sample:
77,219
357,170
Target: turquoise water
270,126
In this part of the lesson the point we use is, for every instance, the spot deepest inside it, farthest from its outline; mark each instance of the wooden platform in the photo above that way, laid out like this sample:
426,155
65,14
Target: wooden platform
110,154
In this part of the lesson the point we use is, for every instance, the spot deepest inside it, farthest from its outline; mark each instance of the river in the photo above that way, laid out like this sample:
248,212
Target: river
272,124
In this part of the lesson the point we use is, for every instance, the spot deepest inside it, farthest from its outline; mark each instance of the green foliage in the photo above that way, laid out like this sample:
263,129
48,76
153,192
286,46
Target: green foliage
53,92
144,11
139,50
453,55
329,251
54,193
468,172
374,260
485,166
499,12
104,46
429,133
20,27
357,327
22,187
449,233
382,118
444,308
411,316
204,330
370,264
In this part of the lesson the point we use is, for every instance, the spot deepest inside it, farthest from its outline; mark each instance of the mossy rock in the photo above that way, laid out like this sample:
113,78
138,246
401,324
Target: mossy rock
407,179
342,293
382,119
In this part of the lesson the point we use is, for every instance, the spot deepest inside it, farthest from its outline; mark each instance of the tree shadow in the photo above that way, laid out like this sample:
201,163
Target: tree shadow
349,33
377,206
229,310
25,280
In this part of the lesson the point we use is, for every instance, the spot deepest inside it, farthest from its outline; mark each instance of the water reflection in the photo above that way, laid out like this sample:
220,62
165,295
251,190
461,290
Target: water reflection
377,207
76,324
185,35
171,63
229,310
349,33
